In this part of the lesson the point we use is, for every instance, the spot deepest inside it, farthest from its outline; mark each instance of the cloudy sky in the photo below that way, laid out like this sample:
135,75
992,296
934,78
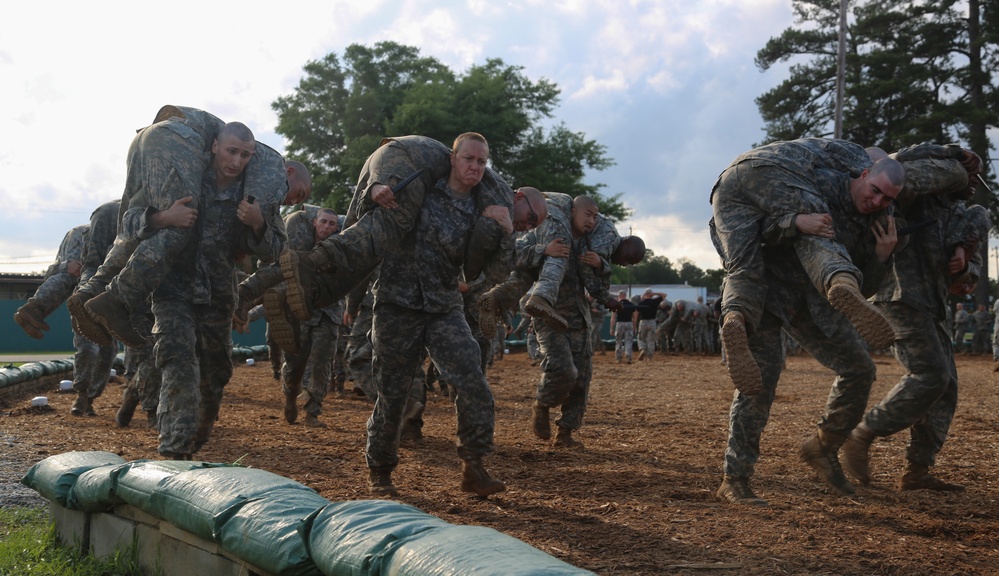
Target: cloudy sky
667,86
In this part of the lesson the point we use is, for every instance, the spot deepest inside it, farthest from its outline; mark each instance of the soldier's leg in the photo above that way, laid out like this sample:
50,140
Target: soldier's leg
324,346
178,363
359,353
293,370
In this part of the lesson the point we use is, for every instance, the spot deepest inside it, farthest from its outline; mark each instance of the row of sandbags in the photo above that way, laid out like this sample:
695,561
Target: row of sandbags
34,370
282,526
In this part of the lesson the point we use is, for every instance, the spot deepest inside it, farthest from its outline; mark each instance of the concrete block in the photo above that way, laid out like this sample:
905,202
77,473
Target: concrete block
135,514
176,533
179,558
110,533
148,549
72,526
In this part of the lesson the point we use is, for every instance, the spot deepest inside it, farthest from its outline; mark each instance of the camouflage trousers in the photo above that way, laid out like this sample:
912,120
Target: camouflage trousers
647,337
624,336
317,345
745,197
92,366
146,378
399,336
533,348
166,162
567,369
683,337
842,352
925,398
193,352
359,352
595,342
55,290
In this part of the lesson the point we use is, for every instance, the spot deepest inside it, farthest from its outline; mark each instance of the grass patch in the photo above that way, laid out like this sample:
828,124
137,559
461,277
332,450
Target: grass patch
29,547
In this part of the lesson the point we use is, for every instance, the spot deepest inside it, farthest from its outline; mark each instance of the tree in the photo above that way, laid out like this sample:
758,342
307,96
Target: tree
339,113
915,71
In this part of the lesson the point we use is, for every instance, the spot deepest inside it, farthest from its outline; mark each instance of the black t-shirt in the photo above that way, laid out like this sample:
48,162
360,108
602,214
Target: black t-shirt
627,310
647,307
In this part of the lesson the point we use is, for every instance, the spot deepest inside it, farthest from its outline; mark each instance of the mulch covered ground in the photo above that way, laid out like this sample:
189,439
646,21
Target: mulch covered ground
640,498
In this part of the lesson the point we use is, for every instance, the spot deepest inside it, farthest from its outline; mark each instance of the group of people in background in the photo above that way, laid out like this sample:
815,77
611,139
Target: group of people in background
826,245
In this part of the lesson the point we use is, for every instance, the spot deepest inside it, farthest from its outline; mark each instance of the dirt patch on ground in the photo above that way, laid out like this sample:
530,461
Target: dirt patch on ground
640,498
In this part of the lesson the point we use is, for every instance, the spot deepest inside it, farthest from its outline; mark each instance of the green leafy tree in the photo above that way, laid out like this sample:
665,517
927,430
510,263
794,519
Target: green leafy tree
915,72
339,113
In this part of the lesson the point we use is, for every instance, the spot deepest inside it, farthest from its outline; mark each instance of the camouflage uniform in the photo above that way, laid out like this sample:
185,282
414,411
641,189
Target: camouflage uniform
373,232
794,304
194,304
318,336
914,296
681,324
92,363
418,306
624,331
58,284
980,338
567,367
757,198
166,161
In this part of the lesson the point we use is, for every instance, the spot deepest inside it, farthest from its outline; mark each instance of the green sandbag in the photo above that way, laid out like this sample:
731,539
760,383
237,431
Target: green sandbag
201,501
351,538
136,481
472,550
94,490
265,532
54,476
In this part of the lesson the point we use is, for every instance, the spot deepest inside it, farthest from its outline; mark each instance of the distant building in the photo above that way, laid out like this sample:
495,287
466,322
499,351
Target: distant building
673,292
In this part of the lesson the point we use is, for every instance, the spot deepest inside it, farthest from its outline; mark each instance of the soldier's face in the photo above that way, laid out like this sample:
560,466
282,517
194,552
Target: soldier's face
231,156
468,163
873,193
585,219
326,225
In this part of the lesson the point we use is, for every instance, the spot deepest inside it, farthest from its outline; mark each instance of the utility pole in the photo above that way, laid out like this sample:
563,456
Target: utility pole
840,71
631,232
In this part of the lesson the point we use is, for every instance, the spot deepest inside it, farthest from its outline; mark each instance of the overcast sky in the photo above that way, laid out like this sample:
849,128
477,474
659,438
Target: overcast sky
667,86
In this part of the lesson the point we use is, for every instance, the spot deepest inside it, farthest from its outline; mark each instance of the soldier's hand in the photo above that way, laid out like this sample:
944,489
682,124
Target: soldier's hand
957,261
73,268
557,249
501,215
815,224
887,239
971,162
613,305
592,259
249,214
178,215
383,196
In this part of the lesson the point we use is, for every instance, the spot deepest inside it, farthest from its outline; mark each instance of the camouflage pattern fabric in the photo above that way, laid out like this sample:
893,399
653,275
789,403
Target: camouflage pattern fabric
373,232
58,284
756,198
914,297
92,366
624,340
100,238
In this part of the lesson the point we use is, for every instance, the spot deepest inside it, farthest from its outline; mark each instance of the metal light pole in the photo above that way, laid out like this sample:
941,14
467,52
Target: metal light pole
840,71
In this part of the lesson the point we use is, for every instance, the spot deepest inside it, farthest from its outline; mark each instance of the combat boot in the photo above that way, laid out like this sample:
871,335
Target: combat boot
737,491
129,402
312,421
872,325
564,439
291,402
245,300
380,482
538,307
81,405
820,452
112,314
284,326
742,366
541,421
83,323
300,270
856,453
475,479
488,313
30,318
918,477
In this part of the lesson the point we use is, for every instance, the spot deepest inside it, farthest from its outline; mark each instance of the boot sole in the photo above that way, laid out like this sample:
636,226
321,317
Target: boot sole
84,324
548,314
487,314
295,292
281,330
742,367
870,323
126,334
494,488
